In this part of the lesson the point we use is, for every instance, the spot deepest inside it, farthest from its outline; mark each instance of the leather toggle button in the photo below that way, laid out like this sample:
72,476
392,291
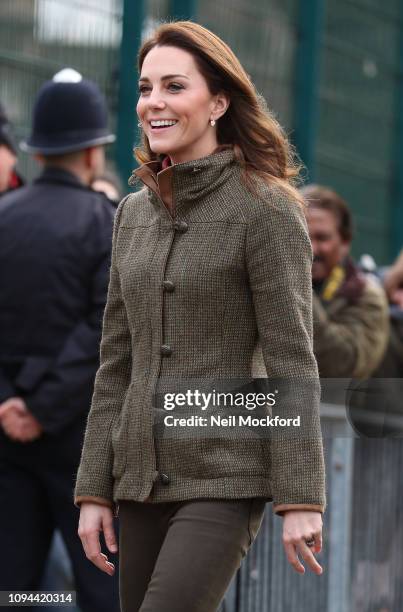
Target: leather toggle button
168,286
164,478
181,226
166,350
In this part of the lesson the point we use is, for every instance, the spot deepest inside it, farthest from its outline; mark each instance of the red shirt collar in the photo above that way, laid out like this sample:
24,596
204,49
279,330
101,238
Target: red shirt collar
166,162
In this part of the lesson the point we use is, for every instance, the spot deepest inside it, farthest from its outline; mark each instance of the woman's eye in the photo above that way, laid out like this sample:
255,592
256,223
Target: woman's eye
175,86
143,89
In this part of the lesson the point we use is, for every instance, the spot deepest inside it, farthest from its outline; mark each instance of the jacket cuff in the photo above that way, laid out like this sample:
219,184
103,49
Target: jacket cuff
282,508
102,501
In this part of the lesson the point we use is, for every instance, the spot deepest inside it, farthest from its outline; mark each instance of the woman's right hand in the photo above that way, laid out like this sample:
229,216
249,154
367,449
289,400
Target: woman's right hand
95,518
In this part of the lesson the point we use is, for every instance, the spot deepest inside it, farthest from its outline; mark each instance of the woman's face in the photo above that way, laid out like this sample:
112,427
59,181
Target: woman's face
173,90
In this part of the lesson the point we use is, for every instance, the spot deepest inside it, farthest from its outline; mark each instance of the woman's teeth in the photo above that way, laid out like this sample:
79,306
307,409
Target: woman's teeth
163,123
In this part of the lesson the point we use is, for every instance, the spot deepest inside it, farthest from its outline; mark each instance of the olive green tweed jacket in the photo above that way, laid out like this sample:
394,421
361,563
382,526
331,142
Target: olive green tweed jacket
202,272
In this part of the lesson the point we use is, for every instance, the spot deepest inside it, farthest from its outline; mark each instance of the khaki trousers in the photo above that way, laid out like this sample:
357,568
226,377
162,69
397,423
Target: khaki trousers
181,556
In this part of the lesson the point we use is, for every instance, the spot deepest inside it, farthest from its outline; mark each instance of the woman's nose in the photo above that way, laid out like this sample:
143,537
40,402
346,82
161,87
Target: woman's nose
156,100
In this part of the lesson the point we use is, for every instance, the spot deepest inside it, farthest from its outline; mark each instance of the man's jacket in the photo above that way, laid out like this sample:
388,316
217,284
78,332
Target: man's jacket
351,324
202,269
54,264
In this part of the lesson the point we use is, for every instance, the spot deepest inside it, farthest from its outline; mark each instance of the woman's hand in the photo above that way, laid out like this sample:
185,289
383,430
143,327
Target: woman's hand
93,519
298,526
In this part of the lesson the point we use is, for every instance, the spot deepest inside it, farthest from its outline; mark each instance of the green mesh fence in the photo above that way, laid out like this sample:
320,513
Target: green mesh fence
357,122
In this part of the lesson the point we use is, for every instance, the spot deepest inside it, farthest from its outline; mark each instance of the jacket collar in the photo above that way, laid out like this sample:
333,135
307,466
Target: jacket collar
52,174
187,182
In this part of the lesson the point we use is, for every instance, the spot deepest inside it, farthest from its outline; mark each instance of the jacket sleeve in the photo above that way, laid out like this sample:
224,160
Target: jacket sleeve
65,388
352,342
279,260
94,478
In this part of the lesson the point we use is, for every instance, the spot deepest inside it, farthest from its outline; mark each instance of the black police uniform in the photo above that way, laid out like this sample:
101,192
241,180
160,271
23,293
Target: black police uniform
54,266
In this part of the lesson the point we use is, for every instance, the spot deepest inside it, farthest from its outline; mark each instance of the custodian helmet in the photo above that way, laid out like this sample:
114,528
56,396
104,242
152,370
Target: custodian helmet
69,115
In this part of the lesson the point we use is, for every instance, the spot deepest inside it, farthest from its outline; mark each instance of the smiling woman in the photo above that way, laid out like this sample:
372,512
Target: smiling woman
206,260
209,74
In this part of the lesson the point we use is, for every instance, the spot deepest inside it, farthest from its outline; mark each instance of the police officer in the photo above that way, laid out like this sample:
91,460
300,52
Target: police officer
54,266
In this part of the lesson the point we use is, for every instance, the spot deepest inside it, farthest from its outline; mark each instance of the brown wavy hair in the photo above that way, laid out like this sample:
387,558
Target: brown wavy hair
259,142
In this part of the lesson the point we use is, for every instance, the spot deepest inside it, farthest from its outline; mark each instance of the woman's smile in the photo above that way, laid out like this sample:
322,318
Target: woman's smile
161,125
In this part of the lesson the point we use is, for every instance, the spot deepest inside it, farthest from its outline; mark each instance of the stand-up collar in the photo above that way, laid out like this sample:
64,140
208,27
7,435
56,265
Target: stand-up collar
186,182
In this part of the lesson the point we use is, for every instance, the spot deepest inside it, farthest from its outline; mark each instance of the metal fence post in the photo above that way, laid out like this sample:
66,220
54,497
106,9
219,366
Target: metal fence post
133,14
340,502
307,67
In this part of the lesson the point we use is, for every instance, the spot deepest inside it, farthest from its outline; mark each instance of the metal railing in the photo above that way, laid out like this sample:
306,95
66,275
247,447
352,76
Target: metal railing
362,535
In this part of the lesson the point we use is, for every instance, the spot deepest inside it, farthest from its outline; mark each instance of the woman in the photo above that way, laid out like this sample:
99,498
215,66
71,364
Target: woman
209,257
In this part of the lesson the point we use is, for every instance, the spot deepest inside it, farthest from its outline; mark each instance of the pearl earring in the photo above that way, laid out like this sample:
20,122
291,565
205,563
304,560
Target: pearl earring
212,122
140,124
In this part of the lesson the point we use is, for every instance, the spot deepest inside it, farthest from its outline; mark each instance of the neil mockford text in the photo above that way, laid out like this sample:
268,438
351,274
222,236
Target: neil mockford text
231,421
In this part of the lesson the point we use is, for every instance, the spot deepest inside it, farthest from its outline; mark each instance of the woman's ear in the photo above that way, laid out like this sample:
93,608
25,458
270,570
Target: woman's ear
221,105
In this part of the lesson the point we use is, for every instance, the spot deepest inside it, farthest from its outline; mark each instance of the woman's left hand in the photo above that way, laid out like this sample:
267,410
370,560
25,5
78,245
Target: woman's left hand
299,526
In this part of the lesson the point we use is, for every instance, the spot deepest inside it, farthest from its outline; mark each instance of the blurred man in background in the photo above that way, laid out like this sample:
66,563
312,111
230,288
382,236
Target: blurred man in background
350,311
54,268
9,178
